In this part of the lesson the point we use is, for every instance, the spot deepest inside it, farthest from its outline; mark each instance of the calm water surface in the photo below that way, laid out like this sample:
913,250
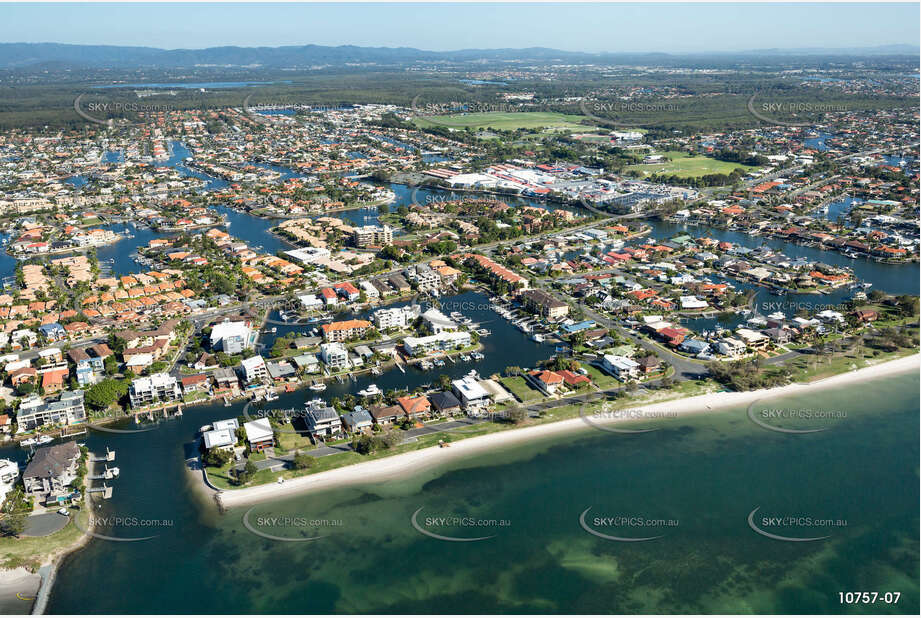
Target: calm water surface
705,473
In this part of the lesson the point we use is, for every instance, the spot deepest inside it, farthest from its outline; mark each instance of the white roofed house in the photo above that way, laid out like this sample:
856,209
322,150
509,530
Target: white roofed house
470,393
753,339
692,302
259,434
222,435
369,290
621,367
310,302
254,369
9,473
730,346
395,317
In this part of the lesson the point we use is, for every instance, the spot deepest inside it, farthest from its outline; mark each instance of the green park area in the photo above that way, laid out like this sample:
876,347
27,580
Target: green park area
688,166
505,121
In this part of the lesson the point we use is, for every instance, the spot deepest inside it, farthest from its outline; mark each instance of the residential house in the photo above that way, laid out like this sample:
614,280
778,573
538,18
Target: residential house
50,471
259,434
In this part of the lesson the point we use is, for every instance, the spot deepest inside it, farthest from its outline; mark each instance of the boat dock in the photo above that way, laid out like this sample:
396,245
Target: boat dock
105,490
108,474
109,456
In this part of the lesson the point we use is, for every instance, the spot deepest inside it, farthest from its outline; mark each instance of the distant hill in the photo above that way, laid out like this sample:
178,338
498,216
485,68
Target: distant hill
23,55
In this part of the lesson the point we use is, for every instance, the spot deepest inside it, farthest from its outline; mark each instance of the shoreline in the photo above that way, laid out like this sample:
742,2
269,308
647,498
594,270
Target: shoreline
396,466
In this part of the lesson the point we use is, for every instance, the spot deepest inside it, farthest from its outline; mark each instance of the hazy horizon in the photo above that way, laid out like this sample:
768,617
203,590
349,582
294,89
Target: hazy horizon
589,28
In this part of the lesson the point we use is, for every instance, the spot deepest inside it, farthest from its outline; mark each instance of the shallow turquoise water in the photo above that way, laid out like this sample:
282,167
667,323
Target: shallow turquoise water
702,475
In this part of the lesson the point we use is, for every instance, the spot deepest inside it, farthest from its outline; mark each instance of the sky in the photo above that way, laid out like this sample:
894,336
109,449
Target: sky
657,27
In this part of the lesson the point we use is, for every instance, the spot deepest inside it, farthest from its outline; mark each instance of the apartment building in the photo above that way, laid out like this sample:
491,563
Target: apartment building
372,236
424,276
232,337
544,304
67,410
345,330
396,317
155,388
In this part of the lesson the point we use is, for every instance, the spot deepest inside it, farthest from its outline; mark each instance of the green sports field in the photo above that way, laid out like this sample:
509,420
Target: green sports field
505,121
682,164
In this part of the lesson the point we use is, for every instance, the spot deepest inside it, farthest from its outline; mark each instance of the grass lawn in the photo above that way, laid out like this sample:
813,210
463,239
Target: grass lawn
599,377
505,121
31,552
291,441
812,368
682,164
521,389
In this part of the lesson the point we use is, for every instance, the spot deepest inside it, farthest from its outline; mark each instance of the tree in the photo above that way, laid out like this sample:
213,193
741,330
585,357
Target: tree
302,461
105,393
13,524
247,473
216,457
363,445
516,414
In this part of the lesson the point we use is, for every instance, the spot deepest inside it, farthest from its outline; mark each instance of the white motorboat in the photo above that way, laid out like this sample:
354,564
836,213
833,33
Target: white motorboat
319,387
371,391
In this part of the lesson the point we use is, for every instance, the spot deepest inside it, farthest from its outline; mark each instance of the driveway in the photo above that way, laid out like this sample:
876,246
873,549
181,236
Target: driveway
44,524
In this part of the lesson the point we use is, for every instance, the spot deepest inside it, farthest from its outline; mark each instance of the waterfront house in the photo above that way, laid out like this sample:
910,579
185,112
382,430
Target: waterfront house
335,356
224,438
549,382
254,370
417,346
344,330
359,420
68,409
195,384
225,382
544,304
730,346
323,422
50,471
753,339
445,403
386,415
415,407
694,346
259,434
470,393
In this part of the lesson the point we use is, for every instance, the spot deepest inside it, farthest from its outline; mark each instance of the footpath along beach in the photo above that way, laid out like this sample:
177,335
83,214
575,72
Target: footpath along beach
388,468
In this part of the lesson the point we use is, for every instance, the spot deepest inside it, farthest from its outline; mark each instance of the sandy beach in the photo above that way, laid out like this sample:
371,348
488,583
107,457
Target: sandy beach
18,589
393,467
